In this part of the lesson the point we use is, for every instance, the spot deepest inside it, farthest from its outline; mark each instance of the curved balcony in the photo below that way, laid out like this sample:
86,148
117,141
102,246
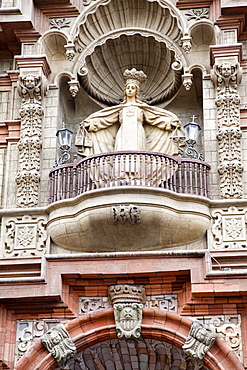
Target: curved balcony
128,201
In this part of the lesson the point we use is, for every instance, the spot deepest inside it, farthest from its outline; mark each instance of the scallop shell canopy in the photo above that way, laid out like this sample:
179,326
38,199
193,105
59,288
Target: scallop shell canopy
130,36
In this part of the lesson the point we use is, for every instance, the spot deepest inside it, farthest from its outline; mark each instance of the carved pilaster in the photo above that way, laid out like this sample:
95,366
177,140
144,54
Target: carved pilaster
31,112
58,342
128,303
226,76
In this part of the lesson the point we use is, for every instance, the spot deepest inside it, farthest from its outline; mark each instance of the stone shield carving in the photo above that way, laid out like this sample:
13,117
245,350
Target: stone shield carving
128,301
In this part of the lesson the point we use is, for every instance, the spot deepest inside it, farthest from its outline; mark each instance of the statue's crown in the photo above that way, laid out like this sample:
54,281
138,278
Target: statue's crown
126,293
134,76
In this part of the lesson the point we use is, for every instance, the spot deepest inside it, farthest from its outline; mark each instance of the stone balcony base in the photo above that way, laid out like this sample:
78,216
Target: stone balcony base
128,219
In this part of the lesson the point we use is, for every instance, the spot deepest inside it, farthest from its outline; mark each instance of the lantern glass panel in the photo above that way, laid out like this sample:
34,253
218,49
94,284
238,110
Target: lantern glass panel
64,138
192,132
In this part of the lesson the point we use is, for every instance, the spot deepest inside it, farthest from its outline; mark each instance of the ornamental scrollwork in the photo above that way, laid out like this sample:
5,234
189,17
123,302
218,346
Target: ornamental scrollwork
59,343
229,229
200,339
226,77
25,236
31,90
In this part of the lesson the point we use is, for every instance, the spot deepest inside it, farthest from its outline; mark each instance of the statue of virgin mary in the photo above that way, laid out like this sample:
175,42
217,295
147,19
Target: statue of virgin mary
131,126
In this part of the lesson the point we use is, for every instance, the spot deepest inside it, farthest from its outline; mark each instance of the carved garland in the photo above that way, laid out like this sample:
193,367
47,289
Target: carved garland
29,146
226,78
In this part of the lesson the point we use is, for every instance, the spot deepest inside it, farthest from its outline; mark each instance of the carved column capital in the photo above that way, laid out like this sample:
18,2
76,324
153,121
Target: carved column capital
128,301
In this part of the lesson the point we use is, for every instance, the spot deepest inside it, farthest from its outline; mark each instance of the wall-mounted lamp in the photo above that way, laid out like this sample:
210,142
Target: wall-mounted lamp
64,137
192,130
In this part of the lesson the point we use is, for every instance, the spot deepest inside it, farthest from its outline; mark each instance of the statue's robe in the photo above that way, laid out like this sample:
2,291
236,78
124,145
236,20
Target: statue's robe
147,128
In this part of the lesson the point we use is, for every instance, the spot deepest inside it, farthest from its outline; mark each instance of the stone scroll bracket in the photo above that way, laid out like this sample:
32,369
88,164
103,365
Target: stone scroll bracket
59,343
200,339
128,302
226,76
32,87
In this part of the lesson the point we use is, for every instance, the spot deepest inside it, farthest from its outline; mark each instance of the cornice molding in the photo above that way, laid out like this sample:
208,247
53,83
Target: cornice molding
32,62
219,51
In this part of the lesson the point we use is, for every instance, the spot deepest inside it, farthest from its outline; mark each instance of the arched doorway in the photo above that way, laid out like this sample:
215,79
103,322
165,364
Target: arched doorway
163,335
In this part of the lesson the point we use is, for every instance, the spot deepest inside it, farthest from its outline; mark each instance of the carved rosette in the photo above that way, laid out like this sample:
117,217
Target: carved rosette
200,339
31,112
59,343
226,77
127,301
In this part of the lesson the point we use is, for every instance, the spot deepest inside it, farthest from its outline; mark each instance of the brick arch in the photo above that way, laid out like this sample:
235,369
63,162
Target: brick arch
91,329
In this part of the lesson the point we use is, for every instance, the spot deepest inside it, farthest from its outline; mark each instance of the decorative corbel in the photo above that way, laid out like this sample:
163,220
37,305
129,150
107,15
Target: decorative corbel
59,343
70,50
187,79
74,87
186,43
127,301
200,339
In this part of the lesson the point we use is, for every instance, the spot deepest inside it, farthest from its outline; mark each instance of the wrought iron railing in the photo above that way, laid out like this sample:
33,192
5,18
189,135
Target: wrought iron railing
146,169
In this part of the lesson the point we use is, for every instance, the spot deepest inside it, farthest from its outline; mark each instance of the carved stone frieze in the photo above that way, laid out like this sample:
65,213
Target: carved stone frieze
31,91
229,229
226,77
59,343
25,236
166,302
227,327
126,214
127,301
28,332
200,339
90,305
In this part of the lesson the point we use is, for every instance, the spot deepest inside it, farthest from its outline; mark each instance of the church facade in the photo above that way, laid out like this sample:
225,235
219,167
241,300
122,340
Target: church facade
123,139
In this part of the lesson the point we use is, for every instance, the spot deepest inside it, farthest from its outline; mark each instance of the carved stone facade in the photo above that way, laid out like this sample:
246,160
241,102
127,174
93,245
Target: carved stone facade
227,76
128,301
228,229
25,236
31,112
58,342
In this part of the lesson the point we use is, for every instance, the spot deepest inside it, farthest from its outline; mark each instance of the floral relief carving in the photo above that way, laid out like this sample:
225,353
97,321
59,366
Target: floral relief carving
31,112
229,229
25,236
226,77
197,14
60,23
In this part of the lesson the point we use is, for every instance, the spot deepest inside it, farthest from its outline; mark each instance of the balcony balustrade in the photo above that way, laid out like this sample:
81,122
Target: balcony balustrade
145,169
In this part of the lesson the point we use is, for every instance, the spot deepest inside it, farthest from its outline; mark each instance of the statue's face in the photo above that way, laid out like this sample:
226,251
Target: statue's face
130,90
